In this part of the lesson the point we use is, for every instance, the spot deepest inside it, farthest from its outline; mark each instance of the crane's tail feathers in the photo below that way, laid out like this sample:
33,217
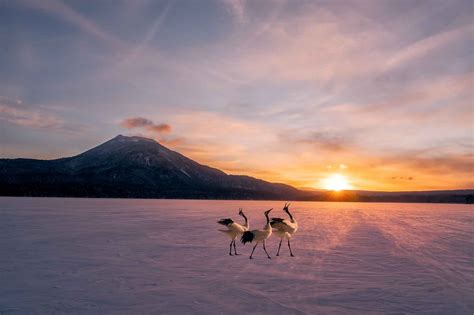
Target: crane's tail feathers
247,237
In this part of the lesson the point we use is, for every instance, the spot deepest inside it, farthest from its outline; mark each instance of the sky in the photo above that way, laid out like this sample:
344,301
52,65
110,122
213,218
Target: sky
378,92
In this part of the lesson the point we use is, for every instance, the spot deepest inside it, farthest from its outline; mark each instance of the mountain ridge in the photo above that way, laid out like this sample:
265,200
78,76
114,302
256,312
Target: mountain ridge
137,167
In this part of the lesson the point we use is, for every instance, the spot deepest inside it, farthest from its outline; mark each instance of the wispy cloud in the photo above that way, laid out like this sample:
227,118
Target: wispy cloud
60,10
35,117
324,141
237,9
432,43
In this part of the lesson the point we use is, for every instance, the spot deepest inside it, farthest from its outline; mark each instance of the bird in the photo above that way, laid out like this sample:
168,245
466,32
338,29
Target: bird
258,236
234,229
284,228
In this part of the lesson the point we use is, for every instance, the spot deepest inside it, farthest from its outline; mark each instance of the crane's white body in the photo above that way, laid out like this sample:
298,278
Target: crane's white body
285,229
263,234
234,229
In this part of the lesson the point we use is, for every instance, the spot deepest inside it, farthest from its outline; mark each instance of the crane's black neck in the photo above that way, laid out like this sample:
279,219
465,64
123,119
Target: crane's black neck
268,219
289,214
245,218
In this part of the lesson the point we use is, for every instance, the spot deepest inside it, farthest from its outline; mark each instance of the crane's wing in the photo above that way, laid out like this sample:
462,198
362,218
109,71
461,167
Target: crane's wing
280,224
225,222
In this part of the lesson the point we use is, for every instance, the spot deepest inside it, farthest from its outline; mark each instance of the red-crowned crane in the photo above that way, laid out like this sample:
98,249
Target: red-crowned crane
234,229
285,228
258,236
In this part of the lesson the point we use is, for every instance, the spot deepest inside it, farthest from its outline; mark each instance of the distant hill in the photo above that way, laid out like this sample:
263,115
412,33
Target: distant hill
433,196
136,167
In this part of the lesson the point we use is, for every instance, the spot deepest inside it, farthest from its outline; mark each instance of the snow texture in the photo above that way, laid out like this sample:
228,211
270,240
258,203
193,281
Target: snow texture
120,256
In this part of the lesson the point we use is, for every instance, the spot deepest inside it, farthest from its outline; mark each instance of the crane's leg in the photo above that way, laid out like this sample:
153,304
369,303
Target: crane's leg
235,250
230,247
253,251
279,246
263,243
289,246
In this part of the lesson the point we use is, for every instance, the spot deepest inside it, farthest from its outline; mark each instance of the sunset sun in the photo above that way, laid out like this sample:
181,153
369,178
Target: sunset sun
336,182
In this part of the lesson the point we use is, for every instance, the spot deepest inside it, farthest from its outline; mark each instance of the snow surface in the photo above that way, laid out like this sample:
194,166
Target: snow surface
121,256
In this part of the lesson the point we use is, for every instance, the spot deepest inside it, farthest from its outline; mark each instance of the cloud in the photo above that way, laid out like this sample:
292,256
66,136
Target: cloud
328,141
326,44
320,140
429,44
136,122
421,113
440,164
35,117
150,129
316,45
64,12
146,124
221,141
402,178
160,128
237,9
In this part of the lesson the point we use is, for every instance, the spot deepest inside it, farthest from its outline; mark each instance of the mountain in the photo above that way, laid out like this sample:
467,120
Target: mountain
136,167
131,167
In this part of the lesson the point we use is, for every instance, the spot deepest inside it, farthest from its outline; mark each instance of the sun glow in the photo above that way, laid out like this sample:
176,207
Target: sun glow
336,182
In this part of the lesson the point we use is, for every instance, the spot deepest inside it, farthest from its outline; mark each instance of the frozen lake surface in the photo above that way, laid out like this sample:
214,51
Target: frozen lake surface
121,256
